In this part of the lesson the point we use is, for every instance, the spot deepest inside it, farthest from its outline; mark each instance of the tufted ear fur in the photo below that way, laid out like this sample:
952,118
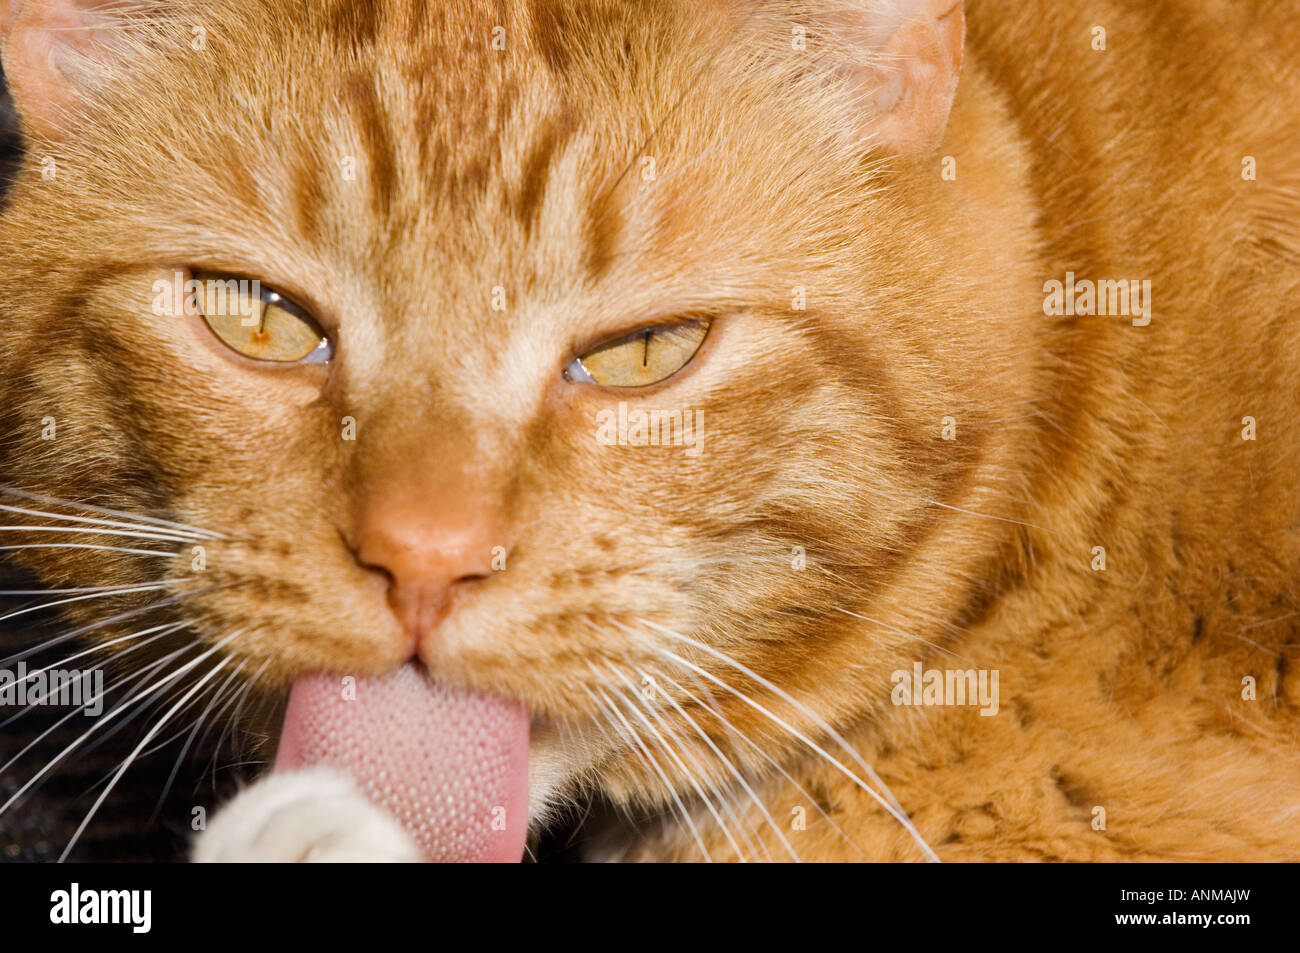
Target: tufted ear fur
923,58
58,52
899,59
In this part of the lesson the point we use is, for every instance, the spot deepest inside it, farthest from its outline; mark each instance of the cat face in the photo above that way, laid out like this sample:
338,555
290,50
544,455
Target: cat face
463,219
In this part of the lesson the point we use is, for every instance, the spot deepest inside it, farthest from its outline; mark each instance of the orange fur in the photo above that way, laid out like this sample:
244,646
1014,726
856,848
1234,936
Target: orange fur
523,168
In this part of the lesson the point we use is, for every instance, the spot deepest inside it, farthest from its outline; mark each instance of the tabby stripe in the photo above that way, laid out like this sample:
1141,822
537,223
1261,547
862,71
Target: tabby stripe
372,120
605,226
355,24
309,190
555,134
553,33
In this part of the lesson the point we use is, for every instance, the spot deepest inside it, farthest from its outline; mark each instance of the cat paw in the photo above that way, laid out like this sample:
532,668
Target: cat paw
314,815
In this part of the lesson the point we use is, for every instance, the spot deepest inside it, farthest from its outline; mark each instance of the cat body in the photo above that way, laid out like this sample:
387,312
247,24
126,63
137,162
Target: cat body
920,456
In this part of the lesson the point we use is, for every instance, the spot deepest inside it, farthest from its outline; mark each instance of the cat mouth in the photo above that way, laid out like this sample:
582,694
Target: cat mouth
450,765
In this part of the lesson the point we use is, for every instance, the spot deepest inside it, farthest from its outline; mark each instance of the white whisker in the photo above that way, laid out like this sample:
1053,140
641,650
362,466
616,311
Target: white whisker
91,627
150,587
990,516
243,696
776,765
107,718
895,629
59,592
104,511
130,758
654,764
187,729
735,772
672,754
111,549
193,733
169,627
890,805
143,673
92,521
94,531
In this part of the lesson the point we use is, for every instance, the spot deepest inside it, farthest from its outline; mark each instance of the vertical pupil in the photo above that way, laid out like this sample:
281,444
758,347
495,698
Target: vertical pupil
265,302
645,358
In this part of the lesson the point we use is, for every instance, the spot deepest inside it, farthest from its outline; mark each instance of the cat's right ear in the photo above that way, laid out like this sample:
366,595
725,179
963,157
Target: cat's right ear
56,53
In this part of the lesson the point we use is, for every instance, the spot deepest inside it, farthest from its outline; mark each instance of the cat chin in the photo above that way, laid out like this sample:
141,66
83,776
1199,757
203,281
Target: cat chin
315,815
552,773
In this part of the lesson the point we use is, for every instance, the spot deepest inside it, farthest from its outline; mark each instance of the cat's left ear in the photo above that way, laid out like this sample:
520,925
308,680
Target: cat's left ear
56,53
921,63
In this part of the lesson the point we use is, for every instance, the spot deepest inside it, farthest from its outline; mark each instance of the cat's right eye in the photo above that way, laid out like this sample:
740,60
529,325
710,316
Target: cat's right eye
258,322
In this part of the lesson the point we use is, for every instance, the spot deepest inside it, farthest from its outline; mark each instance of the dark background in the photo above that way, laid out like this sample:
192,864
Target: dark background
9,141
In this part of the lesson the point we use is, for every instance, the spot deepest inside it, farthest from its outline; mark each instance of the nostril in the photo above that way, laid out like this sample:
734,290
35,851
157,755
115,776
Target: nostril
427,553
379,582
423,583
379,572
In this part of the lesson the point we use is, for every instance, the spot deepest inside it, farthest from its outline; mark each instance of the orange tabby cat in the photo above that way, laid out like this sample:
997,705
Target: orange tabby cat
830,429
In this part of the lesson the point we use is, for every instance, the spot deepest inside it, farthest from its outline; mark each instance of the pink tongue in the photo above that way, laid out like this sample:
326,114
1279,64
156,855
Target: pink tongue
450,765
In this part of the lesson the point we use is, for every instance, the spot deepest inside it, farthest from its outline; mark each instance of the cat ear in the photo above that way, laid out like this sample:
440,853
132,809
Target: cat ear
55,52
902,59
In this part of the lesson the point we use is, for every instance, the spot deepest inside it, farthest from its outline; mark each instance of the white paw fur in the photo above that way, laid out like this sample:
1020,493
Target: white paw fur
311,816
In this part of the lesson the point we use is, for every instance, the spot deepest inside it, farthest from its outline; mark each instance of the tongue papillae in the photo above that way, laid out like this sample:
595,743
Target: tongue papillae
450,765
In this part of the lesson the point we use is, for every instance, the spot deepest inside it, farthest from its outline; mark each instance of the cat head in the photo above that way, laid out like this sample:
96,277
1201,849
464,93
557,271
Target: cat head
590,350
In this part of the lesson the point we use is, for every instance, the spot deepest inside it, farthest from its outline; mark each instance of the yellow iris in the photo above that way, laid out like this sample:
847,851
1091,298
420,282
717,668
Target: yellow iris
259,323
641,358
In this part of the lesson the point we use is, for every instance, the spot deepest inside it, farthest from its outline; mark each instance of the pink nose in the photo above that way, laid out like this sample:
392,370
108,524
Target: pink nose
429,548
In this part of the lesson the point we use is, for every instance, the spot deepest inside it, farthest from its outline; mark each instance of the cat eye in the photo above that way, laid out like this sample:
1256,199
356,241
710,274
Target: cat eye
641,358
259,323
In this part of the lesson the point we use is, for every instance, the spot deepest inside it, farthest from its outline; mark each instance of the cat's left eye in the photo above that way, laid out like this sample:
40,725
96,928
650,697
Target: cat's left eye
641,358
258,322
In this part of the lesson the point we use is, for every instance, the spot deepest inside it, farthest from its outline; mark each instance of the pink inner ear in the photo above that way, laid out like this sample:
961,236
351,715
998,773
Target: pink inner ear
53,50
913,87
